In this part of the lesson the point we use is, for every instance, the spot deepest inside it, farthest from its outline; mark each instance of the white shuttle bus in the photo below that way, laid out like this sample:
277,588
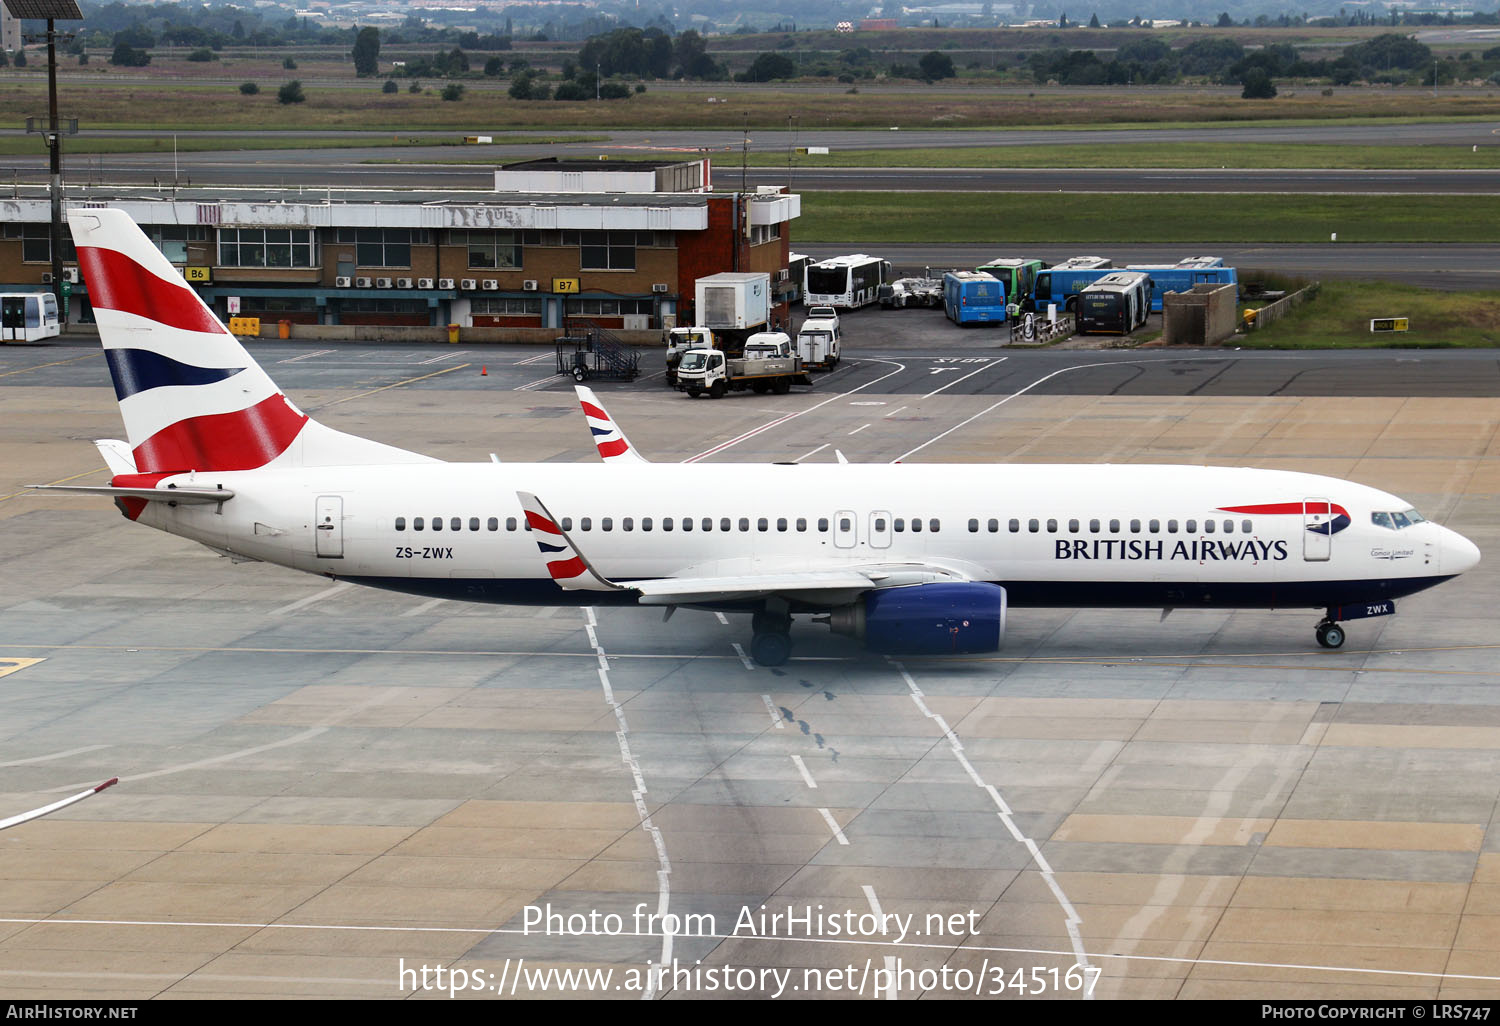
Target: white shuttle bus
28,317
845,282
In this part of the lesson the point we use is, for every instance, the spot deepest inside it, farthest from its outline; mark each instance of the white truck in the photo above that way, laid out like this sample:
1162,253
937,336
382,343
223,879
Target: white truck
768,365
731,307
678,341
818,343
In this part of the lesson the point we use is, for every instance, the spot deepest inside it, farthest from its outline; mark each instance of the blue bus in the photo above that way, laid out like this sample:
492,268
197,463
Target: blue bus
1182,278
973,298
1061,285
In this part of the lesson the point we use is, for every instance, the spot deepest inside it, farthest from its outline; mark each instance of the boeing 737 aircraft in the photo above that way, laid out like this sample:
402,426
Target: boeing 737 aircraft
907,558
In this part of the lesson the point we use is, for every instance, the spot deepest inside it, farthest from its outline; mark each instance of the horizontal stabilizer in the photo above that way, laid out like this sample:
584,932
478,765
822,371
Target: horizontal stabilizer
172,493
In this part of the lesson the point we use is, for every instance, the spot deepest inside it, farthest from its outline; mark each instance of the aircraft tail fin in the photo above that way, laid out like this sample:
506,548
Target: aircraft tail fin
613,446
191,396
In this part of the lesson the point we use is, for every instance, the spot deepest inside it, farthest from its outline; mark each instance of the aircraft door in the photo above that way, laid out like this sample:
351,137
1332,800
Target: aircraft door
1317,534
330,527
844,530
880,529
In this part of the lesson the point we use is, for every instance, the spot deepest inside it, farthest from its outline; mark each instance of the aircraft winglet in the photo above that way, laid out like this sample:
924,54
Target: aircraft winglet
568,567
613,446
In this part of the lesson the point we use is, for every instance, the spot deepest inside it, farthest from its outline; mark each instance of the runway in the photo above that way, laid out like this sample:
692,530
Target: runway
332,792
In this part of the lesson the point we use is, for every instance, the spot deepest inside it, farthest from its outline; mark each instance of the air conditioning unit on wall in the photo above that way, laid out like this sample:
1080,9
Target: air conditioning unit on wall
491,284
445,283
363,283
424,283
403,283
529,285
343,283
468,283
383,283
660,286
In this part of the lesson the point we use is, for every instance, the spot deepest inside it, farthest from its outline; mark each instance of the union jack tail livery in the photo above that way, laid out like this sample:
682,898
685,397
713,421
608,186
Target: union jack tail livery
568,567
191,397
613,446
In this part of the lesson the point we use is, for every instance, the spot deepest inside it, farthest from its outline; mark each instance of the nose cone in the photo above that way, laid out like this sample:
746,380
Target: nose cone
1459,554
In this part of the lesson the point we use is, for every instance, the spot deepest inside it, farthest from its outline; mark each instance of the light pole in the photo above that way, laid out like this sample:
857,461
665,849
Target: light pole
51,11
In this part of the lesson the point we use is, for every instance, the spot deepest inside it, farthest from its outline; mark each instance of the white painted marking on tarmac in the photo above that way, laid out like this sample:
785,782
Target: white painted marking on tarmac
529,386
776,717
859,429
890,976
445,356
874,905
306,356
54,755
540,357
741,653
897,410
545,612
723,619
805,455
966,377
310,599
802,768
664,865
833,825
791,416
1071,919
424,607
1020,392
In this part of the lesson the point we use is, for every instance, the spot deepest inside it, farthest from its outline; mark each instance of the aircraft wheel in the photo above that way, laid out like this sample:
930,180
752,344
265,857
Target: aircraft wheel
770,623
771,648
1330,635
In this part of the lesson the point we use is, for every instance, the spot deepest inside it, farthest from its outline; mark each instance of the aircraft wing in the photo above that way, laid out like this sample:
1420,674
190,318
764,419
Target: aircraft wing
573,571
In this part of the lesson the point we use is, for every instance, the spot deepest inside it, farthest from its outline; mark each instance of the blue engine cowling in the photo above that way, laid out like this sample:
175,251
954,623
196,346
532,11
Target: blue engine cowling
926,619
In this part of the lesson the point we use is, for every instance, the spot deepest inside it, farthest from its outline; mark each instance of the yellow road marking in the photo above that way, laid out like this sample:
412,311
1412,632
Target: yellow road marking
55,363
61,480
382,388
10,664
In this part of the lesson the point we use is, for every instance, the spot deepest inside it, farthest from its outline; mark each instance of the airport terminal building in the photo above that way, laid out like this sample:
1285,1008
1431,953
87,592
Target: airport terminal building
619,243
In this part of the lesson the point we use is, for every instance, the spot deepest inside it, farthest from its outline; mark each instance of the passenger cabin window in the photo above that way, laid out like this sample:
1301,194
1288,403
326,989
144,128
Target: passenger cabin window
606,523
1114,527
745,524
437,523
1208,527
973,526
400,523
645,523
916,525
781,524
586,523
1171,527
1051,526
1015,526
1192,527
567,523
1135,527
627,523
934,526
994,526
802,525
493,524
1033,525
510,523
416,523
1154,526
763,525
823,525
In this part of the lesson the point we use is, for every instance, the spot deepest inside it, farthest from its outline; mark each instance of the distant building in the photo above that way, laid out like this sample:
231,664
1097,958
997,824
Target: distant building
10,30
620,243
878,24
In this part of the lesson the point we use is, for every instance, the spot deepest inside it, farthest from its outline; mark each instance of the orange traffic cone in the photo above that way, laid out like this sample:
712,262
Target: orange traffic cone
483,371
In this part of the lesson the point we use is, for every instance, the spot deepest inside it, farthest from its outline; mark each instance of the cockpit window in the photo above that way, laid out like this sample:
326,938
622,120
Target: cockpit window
1396,521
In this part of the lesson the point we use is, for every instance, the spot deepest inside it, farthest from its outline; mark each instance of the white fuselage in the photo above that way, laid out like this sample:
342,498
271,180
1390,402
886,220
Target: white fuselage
1084,535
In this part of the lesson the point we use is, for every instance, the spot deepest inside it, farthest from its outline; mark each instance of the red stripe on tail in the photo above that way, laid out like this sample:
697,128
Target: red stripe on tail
563,569
541,523
117,282
242,440
593,411
607,449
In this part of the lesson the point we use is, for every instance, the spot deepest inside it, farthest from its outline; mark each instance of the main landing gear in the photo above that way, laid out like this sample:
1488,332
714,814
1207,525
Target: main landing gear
771,642
1330,634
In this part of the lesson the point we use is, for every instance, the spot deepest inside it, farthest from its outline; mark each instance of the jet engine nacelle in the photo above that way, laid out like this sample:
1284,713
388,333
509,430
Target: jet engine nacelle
926,619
